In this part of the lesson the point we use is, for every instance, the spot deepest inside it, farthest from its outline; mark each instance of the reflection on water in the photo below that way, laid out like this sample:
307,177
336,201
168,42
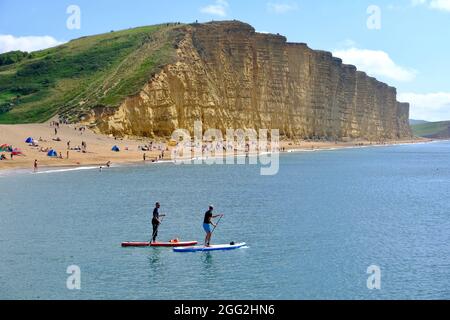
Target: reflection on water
208,262
156,264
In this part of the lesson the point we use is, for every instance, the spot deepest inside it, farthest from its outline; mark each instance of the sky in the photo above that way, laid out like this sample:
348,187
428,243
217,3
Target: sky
404,43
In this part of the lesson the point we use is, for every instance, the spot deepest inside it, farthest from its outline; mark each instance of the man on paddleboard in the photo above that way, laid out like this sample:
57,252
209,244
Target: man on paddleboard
155,221
208,224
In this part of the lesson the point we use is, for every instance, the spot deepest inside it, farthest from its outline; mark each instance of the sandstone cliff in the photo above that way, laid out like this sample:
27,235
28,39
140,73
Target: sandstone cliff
229,76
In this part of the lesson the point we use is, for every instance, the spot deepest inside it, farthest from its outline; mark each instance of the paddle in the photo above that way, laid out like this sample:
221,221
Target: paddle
221,216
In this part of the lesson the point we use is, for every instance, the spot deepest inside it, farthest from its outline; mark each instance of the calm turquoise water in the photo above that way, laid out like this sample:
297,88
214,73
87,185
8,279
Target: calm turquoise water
312,230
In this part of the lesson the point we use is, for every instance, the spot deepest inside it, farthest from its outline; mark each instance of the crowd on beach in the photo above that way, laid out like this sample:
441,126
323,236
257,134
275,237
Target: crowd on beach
60,144
160,148
62,141
11,150
49,151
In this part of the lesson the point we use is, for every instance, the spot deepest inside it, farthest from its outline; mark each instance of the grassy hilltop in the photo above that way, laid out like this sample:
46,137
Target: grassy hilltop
91,71
437,130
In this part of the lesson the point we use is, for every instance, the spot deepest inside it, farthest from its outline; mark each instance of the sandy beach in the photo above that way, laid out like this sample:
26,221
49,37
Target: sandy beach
98,147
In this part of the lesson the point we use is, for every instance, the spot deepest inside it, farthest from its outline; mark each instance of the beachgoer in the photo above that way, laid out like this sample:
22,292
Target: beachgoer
108,164
208,224
67,154
144,157
35,165
156,221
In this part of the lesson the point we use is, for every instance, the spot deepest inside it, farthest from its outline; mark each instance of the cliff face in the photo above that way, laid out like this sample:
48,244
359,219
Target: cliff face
229,76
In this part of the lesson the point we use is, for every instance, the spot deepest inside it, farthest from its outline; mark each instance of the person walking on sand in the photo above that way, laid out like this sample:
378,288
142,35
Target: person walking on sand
156,221
35,165
208,224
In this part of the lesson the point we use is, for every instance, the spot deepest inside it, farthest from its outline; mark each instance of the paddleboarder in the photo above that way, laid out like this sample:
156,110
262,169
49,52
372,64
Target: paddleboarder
208,224
156,221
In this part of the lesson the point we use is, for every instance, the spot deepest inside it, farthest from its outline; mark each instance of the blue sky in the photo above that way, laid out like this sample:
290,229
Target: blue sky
408,48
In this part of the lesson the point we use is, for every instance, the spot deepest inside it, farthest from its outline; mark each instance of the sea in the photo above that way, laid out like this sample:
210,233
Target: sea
364,223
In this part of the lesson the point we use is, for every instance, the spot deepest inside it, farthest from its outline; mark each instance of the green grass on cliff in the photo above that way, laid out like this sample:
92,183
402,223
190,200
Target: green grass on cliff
73,78
432,129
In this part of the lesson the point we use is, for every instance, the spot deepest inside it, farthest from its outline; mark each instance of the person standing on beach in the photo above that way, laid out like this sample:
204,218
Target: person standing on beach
35,165
156,221
208,224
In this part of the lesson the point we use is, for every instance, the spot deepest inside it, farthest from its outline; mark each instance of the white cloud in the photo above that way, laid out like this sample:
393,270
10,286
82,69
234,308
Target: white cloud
219,8
428,106
280,8
442,5
375,63
29,44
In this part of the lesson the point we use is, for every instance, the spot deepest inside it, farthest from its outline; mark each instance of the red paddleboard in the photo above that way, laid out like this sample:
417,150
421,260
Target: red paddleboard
160,244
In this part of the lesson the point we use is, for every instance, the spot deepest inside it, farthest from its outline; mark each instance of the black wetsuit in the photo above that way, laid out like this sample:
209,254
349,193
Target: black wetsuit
155,223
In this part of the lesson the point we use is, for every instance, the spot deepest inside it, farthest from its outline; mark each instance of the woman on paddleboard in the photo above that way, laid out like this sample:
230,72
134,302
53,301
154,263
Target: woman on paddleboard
208,224
155,221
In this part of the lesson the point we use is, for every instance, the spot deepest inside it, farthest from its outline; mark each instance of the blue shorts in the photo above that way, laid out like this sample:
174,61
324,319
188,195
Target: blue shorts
207,227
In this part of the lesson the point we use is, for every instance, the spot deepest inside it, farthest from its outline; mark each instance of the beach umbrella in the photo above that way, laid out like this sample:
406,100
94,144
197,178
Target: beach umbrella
52,153
115,149
29,140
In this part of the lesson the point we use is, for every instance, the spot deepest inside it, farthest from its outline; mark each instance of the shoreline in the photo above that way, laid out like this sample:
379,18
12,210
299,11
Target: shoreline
288,148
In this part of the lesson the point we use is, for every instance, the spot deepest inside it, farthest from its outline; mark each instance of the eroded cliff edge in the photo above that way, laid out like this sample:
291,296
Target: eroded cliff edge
229,76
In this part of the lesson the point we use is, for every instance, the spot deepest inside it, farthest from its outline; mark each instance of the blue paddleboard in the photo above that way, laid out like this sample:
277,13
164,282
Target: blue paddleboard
216,247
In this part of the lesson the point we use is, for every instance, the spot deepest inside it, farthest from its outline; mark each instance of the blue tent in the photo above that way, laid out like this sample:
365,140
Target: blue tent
29,140
115,149
52,153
